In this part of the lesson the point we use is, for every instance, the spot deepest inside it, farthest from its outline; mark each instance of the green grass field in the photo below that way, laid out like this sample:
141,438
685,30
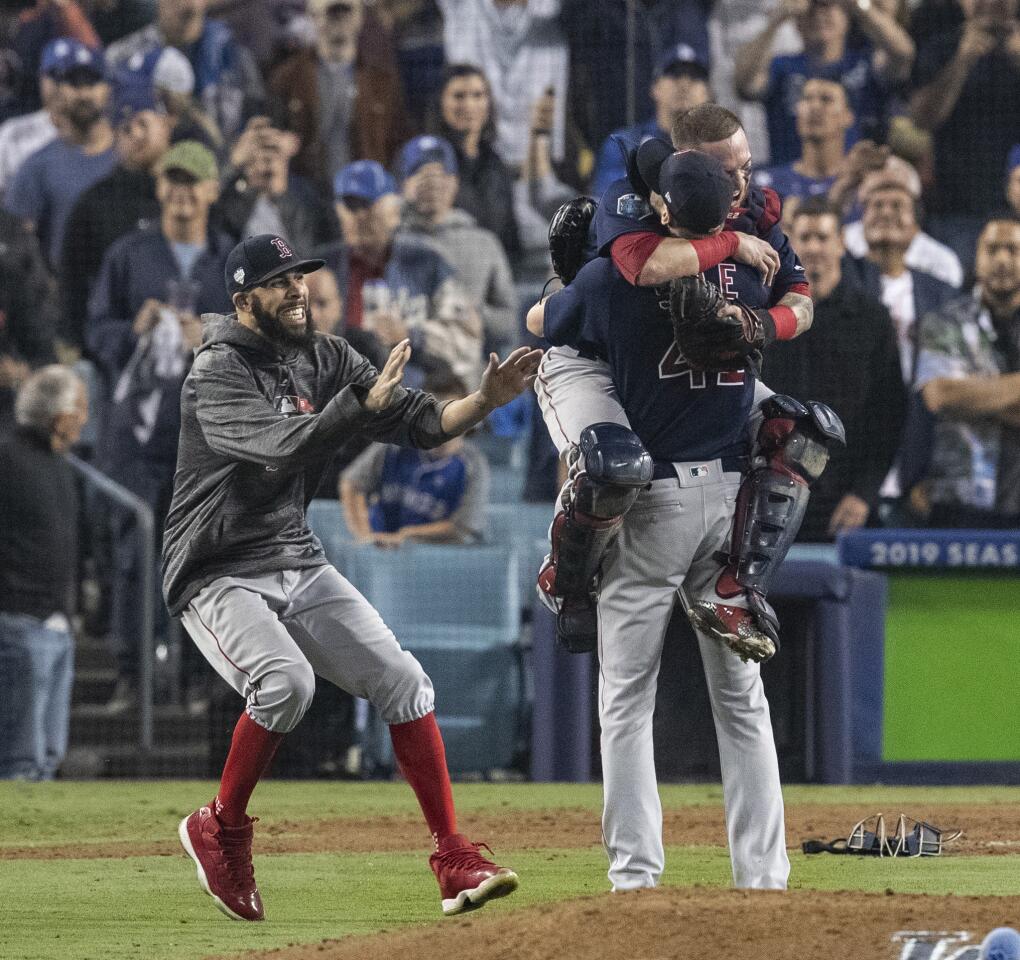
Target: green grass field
151,908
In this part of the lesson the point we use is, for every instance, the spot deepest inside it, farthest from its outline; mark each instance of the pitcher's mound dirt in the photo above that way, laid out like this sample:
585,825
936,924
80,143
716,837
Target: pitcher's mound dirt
988,828
681,924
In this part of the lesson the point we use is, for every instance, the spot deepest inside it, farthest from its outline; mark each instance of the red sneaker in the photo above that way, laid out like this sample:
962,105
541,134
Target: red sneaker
466,879
223,857
734,626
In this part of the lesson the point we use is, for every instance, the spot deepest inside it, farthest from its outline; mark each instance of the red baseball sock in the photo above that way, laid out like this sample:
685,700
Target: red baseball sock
418,747
251,751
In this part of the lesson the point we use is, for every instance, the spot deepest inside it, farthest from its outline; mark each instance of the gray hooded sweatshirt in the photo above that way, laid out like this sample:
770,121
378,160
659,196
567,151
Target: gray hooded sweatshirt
258,426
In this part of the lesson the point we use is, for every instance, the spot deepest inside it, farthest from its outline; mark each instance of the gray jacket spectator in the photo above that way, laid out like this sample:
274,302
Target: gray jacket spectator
262,197
38,574
428,169
48,185
968,374
227,80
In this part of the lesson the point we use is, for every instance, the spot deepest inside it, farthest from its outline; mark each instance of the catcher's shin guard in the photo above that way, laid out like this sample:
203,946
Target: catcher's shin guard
613,468
792,451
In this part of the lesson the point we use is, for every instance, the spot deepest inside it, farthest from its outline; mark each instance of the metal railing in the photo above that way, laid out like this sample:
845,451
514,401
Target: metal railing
145,528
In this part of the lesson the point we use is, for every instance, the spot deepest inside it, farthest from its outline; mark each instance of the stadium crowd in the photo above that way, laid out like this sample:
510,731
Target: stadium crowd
420,147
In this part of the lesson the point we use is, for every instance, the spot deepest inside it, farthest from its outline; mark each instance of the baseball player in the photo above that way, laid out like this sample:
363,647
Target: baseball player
265,405
673,471
575,389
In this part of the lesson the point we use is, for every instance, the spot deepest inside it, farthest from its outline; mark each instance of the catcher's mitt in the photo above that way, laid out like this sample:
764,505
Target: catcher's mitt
707,340
568,237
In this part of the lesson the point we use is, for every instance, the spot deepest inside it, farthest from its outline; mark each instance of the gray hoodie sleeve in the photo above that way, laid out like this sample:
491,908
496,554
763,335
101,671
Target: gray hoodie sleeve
239,421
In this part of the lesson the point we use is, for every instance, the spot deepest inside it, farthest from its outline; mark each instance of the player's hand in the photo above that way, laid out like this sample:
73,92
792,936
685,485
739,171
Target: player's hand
756,253
851,512
501,382
147,316
381,394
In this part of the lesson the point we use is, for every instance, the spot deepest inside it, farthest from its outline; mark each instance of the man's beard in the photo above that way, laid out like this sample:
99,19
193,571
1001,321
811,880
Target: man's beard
83,116
271,327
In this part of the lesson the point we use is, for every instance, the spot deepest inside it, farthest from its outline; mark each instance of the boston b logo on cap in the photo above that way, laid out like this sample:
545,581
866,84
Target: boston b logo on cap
257,260
285,252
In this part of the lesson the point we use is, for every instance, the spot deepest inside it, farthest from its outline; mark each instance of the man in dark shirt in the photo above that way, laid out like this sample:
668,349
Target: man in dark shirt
38,565
848,359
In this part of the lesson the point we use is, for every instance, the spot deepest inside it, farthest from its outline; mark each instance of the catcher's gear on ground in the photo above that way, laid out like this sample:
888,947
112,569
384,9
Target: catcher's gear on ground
613,467
792,450
708,341
870,838
568,237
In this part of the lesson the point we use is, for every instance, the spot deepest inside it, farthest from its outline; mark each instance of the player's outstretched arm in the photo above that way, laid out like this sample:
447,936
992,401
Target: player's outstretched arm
501,382
803,309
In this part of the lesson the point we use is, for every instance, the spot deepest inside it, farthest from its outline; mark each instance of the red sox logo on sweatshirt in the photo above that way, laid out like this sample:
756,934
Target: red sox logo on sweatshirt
294,406
281,245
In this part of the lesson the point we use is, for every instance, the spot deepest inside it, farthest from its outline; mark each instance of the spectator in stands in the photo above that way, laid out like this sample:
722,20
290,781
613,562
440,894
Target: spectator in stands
417,30
325,303
143,325
464,116
38,574
46,188
825,28
21,136
538,194
428,171
115,19
681,82
848,360
396,286
261,26
967,81
262,197
123,201
925,254
227,81
391,494
524,53
343,98
823,118
39,24
28,313
968,373
600,36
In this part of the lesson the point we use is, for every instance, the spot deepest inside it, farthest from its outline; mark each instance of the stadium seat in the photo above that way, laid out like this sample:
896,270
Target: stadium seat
326,519
455,608
524,527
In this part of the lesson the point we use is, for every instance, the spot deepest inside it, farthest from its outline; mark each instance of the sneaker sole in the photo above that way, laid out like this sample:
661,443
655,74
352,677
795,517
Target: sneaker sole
182,833
747,648
500,885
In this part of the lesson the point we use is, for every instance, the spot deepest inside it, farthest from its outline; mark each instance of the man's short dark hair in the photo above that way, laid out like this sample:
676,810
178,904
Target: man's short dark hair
707,123
817,207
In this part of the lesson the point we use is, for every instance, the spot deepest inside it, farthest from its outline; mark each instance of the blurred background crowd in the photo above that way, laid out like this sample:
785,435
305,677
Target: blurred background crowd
420,147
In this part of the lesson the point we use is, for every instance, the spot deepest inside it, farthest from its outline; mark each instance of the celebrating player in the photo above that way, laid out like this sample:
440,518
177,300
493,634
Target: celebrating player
672,471
575,388
266,404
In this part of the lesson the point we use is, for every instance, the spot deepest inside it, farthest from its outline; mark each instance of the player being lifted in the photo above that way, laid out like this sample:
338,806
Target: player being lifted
752,263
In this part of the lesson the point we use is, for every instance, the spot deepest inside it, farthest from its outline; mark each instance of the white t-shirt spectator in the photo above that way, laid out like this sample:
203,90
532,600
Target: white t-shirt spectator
925,254
20,137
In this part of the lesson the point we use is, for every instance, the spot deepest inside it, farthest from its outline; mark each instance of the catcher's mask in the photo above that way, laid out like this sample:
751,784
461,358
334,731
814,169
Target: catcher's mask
869,837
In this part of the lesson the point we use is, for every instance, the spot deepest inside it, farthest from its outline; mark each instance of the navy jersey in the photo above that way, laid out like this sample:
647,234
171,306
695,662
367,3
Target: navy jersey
679,414
622,210
416,488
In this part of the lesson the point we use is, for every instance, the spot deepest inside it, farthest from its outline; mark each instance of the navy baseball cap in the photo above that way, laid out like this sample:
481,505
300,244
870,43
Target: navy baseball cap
364,179
258,259
132,96
680,60
696,189
650,156
427,149
66,55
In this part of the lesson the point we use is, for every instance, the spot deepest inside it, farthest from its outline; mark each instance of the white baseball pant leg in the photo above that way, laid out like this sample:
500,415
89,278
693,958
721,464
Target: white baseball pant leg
268,636
668,537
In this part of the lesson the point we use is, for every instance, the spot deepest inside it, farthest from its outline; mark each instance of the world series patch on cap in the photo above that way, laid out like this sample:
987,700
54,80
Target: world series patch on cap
256,260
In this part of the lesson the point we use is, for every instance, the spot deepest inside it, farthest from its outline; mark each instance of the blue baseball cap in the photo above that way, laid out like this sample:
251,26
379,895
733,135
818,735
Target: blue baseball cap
696,189
255,261
364,179
131,96
1013,159
65,55
422,150
682,59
